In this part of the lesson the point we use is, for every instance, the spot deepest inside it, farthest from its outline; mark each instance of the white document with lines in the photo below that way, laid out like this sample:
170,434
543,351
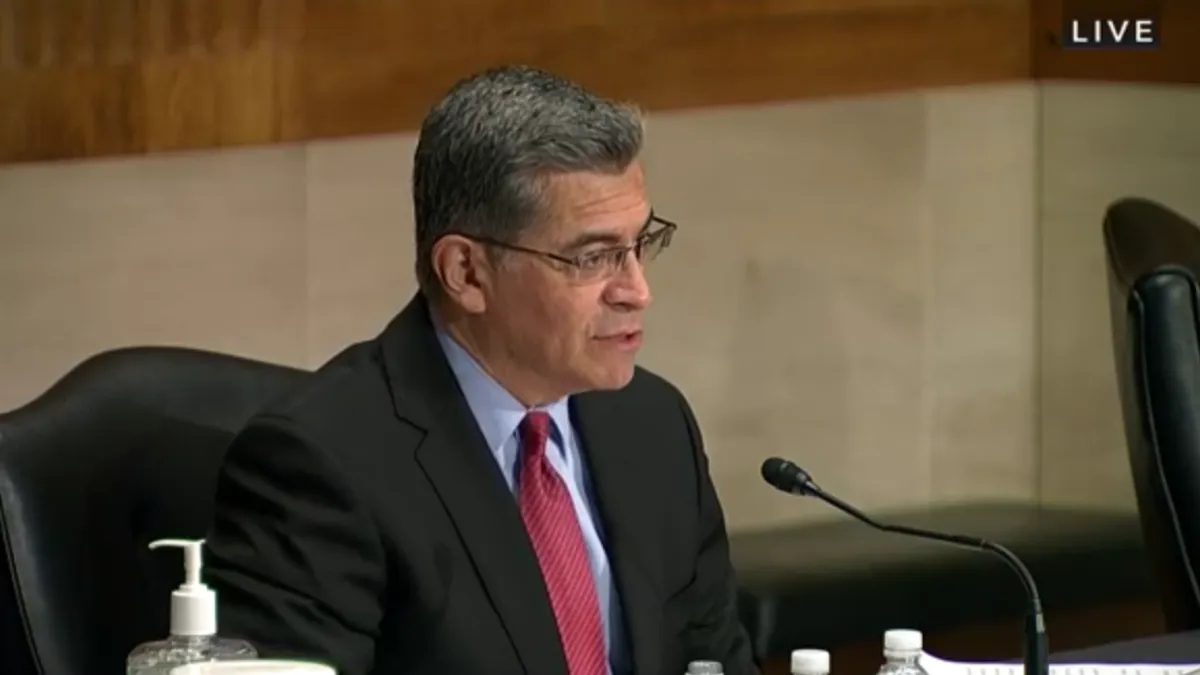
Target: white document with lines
935,666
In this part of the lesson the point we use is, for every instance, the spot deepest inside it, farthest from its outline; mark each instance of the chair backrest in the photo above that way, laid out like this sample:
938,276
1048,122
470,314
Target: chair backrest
1153,257
122,450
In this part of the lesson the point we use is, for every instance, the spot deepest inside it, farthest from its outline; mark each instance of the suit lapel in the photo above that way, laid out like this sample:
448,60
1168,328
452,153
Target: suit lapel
457,461
612,448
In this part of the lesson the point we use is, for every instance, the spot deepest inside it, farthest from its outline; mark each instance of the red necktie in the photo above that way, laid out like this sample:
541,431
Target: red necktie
558,542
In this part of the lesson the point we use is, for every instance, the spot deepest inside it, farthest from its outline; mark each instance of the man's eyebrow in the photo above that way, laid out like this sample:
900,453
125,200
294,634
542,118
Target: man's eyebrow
586,239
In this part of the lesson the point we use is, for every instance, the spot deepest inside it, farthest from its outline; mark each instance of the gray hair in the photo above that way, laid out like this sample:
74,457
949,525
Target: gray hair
487,147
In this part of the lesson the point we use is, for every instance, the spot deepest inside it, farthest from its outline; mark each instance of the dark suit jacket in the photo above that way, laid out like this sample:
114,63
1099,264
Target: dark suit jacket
362,521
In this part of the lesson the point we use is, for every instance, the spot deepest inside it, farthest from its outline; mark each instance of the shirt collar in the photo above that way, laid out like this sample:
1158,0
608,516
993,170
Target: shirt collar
496,410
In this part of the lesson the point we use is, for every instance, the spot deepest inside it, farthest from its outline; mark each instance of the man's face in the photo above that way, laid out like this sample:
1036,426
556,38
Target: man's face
567,331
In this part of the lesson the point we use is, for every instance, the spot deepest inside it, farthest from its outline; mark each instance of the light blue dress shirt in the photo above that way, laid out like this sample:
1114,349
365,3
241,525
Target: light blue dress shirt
498,415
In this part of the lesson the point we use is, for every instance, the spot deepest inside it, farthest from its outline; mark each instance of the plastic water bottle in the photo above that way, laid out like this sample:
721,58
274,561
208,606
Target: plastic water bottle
810,662
705,668
902,653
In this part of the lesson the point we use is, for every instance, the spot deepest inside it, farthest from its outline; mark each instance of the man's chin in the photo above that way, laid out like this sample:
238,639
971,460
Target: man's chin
613,378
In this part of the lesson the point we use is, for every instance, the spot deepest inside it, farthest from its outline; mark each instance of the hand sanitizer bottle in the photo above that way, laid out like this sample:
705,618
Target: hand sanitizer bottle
193,635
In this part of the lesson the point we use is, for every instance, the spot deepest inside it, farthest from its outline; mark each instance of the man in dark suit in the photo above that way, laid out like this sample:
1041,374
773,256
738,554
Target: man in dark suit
491,486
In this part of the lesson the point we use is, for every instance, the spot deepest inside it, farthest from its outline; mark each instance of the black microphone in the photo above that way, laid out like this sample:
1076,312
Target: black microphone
786,476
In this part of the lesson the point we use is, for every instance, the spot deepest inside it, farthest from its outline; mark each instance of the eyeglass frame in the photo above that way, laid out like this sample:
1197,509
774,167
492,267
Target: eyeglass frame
665,232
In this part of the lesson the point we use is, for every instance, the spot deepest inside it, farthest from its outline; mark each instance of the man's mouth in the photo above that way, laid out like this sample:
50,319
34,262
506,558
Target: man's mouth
630,339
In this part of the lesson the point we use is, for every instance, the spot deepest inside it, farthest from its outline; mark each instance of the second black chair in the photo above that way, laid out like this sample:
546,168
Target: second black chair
123,450
1153,262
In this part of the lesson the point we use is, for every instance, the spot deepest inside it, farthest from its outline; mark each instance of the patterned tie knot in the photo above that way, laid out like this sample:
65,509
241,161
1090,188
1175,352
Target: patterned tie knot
534,430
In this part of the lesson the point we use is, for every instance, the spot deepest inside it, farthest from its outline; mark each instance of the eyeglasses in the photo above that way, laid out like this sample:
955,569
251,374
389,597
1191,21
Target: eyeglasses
604,263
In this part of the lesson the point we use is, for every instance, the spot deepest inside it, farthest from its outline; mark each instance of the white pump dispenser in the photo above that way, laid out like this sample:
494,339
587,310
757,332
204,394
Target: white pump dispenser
193,605
193,629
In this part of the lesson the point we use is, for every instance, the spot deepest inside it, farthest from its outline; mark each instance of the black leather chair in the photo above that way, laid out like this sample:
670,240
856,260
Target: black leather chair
122,450
1153,258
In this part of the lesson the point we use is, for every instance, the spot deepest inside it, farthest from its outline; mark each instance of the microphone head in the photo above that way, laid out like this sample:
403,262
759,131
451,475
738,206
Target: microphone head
786,476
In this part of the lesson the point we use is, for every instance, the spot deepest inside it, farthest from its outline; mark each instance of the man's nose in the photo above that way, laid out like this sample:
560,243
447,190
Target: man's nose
630,288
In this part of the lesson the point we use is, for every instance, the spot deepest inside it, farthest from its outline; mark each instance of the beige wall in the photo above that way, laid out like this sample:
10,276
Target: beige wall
864,285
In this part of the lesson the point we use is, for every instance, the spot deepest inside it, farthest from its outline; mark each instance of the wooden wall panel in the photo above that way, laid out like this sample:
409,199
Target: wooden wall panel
1177,59
88,78
665,58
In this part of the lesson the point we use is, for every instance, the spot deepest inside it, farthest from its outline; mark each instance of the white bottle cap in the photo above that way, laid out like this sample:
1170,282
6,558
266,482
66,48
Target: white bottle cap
902,641
810,662
705,668
193,605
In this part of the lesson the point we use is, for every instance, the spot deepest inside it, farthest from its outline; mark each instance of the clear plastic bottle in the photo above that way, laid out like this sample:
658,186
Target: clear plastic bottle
810,662
193,635
705,668
902,653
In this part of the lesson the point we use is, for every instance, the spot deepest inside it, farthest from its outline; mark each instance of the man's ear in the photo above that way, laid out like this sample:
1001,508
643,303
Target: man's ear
462,267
